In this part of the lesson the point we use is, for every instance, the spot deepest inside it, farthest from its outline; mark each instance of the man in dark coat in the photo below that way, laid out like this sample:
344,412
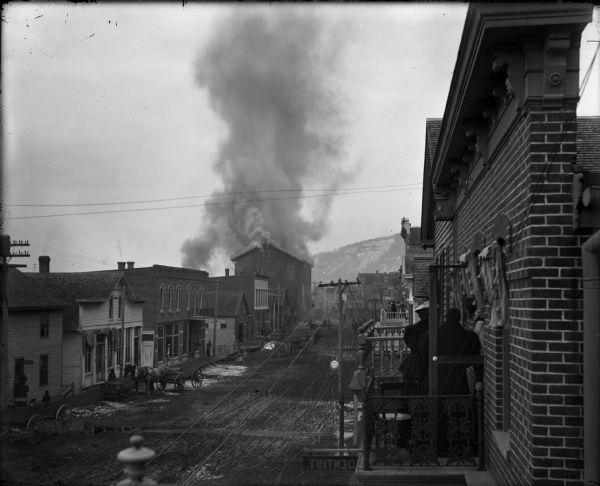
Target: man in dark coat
414,367
454,340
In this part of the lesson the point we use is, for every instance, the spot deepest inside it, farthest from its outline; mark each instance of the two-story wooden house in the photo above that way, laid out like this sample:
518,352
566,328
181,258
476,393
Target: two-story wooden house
35,336
102,324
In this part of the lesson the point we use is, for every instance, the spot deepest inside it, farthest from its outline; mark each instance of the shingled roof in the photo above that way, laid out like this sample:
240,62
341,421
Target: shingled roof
588,143
432,128
23,292
230,303
81,287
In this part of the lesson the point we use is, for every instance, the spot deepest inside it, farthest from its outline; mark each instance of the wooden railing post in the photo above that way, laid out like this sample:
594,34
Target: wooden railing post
135,458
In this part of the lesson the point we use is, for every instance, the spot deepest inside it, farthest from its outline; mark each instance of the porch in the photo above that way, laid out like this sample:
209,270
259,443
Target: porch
411,438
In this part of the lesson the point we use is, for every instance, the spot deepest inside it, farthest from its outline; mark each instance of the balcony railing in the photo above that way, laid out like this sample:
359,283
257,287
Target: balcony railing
401,427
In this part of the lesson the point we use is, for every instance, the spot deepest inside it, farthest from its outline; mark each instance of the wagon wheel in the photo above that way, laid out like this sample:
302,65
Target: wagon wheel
62,420
197,377
179,382
33,429
161,384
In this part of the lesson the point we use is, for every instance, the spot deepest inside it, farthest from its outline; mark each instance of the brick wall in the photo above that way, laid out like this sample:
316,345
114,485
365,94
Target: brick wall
529,180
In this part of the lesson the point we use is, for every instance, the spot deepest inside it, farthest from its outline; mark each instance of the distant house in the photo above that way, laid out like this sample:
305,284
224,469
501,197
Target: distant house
255,288
173,297
35,334
102,323
231,316
283,269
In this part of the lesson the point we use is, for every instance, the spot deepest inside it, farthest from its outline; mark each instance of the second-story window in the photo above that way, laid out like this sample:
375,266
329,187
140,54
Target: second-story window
170,298
44,324
188,298
162,297
178,298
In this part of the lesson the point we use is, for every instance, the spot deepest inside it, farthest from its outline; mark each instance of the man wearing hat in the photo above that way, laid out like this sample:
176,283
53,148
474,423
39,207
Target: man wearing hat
414,367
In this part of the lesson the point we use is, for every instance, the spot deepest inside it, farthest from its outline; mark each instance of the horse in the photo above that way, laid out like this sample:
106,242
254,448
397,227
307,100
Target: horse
145,374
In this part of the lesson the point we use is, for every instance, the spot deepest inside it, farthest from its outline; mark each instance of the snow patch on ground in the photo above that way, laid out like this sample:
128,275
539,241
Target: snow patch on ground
99,410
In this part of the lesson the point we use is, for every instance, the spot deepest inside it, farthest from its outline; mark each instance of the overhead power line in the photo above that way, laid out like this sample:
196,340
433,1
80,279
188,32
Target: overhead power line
205,204
414,185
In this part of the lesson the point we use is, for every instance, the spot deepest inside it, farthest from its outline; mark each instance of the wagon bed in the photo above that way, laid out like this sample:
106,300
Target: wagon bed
30,419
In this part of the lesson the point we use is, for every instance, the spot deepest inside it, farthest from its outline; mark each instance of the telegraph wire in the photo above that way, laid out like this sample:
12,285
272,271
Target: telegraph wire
408,186
206,204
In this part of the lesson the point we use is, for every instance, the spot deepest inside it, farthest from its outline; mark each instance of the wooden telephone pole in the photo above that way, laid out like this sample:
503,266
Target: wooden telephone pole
6,254
341,288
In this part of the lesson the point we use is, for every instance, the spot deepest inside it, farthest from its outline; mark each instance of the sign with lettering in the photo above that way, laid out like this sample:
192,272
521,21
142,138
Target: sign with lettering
330,463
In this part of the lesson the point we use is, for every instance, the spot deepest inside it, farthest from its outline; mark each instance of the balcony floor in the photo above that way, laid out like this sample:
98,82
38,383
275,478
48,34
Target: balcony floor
407,475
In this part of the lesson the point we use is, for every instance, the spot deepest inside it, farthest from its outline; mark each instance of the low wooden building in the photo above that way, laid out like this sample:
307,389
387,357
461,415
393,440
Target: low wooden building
231,318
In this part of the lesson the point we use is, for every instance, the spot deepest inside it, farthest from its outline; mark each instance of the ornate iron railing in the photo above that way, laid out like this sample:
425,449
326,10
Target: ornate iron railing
423,430
402,427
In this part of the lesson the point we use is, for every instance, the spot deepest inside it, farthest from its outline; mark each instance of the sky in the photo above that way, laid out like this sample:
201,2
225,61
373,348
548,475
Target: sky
178,135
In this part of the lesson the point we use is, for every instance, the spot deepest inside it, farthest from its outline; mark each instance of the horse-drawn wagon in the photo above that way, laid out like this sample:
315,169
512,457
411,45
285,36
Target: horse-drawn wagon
176,376
29,420
161,376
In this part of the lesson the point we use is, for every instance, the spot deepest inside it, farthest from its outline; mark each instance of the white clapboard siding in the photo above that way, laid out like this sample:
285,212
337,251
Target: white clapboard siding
72,362
25,342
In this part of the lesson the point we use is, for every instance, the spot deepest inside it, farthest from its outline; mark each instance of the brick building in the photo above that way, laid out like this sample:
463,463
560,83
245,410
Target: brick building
498,198
283,270
173,298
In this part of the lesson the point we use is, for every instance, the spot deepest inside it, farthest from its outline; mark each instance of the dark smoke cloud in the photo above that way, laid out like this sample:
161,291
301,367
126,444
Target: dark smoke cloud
269,77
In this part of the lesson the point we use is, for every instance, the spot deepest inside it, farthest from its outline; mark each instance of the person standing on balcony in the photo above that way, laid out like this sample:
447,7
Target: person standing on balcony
454,340
414,366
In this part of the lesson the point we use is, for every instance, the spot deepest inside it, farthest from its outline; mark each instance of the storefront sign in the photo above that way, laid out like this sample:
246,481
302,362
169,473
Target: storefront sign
330,463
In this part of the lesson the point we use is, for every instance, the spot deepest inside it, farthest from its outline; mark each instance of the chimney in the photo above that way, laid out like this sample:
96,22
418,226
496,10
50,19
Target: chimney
44,264
227,272
120,265
130,265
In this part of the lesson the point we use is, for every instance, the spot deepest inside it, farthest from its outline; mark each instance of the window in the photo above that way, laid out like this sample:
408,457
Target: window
188,298
128,345
119,346
43,370
162,297
201,291
118,301
160,341
88,358
185,337
172,340
178,298
170,298
44,324
223,325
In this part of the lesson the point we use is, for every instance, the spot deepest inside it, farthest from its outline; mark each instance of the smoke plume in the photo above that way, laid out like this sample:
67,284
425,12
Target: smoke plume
269,76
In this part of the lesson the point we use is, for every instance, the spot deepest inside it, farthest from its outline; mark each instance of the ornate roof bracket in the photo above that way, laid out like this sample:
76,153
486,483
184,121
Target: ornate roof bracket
459,171
555,83
477,133
509,64
445,203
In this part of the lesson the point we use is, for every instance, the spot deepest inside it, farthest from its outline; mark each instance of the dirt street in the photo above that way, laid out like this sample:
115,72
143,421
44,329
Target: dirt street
248,424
